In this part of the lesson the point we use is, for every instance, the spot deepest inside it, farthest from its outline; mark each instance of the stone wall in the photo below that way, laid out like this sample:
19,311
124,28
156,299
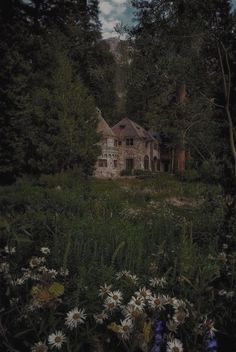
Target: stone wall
107,163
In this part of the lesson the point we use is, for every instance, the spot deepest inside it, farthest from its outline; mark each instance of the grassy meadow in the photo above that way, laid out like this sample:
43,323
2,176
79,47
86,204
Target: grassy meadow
158,228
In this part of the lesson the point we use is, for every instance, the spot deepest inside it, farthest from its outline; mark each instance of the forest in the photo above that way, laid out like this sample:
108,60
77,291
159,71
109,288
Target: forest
137,264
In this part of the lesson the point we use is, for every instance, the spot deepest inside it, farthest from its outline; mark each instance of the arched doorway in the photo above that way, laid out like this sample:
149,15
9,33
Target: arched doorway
146,162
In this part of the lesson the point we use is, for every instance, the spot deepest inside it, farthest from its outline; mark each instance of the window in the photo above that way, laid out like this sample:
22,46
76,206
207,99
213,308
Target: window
155,146
146,162
129,141
146,144
115,142
102,162
115,163
129,164
120,143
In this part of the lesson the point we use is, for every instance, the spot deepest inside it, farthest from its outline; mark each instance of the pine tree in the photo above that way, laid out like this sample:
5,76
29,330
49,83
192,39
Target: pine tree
15,69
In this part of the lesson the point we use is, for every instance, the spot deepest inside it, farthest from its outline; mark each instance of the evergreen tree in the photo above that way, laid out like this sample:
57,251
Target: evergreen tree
15,69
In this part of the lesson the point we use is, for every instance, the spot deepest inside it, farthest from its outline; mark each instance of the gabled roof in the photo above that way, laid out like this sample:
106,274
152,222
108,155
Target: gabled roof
103,126
129,128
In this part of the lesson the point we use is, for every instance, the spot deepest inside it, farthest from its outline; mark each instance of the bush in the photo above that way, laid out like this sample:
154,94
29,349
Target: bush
189,175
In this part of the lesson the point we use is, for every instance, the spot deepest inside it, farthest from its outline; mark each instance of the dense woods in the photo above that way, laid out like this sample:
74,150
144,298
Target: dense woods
54,71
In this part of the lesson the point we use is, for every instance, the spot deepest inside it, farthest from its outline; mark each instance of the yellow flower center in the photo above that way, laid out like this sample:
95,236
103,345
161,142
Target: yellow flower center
157,301
180,316
76,316
40,348
126,328
175,349
58,339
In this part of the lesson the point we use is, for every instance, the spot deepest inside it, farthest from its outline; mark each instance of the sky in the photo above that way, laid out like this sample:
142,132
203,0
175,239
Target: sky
113,12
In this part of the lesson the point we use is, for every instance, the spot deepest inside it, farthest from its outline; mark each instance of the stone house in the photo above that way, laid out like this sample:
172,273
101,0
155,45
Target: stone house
126,146
138,149
107,163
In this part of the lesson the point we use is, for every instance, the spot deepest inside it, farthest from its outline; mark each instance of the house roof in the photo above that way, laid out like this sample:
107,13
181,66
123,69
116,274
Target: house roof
103,126
129,128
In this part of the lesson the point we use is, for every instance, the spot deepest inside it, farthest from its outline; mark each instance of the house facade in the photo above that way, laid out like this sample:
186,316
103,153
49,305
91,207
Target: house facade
126,146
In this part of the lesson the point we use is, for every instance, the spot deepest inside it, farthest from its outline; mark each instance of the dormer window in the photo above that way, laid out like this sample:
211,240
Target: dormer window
155,146
129,141
122,126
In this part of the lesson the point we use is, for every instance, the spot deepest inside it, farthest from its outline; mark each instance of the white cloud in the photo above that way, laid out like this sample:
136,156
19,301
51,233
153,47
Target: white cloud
112,12
105,7
119,2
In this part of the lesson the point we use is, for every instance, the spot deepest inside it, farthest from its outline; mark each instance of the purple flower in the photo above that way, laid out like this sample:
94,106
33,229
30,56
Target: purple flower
157,336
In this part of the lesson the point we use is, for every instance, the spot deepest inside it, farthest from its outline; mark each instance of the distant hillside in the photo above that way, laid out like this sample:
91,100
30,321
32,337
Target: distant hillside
121,52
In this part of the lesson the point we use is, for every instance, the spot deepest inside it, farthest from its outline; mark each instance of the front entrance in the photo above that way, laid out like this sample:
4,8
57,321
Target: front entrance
129,164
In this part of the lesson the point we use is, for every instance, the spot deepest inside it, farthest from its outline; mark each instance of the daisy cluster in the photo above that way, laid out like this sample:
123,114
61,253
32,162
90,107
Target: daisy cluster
131,313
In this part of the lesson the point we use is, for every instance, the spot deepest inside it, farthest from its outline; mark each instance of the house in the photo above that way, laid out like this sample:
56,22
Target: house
107,163
126,146
138,149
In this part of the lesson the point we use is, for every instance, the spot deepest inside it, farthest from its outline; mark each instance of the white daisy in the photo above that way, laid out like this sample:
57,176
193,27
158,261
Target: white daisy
126,328
180,315
36,261
100,317
137,302
57,339
131,312
110,304
115,296
104,290
123,273
156,302
174,345
143,292
158,282
39,347
10,250
75,317
45,250
133,278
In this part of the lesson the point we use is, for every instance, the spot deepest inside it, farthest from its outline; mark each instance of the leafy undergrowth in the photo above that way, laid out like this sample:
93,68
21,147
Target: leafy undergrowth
96,228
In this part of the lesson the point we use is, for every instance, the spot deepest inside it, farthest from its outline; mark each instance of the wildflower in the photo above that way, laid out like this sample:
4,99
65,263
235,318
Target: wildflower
110,304
143,293
115,296
157,336
180,316
101,317
64,272
57,339
174,345
172,326
10,250
45,250
75,317
133,278
137,302
126,328
211,343
156,302
123,273
104,290
36,261
39,347
4,268
158,282
132,312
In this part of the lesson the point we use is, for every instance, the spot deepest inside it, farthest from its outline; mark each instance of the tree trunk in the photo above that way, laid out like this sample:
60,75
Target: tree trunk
180,152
